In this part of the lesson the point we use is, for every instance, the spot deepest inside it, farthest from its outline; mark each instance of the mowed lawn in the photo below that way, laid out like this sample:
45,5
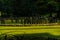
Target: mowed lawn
54,30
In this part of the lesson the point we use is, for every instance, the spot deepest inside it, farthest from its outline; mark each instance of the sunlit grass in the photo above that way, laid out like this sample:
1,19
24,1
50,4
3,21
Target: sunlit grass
55,30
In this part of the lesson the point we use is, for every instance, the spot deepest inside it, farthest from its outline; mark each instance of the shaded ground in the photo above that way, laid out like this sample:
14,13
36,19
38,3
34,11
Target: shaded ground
36,36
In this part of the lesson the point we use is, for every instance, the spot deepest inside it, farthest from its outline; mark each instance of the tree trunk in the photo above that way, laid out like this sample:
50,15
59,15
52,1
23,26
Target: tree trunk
2,21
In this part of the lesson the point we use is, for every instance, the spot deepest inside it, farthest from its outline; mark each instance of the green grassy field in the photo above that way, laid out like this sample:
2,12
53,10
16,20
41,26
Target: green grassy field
54,30
30,32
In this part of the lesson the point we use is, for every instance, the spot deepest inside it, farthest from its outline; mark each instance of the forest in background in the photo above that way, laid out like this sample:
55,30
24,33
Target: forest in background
30,11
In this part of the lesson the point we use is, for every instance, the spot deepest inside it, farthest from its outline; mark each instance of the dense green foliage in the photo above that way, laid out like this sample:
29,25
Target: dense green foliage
14,9
28,7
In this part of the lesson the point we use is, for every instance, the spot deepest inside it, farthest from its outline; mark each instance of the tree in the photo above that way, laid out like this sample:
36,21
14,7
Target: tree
23,8
7,8
58,11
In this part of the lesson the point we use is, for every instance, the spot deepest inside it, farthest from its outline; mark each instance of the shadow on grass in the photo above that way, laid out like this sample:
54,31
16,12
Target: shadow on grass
37,36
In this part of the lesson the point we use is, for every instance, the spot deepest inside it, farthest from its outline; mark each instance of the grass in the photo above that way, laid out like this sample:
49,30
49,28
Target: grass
55,30
36,36
9,22
31,32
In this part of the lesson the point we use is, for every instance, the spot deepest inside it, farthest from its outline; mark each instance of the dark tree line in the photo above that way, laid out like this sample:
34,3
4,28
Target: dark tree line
15,9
